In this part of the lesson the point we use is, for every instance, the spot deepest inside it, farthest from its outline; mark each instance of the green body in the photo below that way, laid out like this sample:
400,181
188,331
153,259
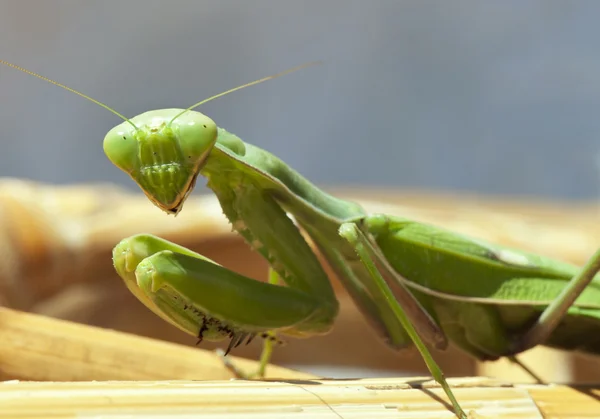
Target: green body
515,285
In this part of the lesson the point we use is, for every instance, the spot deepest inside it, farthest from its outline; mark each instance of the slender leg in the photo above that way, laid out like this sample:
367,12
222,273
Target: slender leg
365,250
553,314
525,368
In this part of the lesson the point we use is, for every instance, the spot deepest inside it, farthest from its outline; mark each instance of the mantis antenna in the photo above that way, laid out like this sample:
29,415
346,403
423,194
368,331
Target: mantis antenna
108,108
252,83
97,102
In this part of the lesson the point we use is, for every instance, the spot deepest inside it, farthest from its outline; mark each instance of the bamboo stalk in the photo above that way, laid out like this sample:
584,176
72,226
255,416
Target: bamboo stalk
367,398
36,347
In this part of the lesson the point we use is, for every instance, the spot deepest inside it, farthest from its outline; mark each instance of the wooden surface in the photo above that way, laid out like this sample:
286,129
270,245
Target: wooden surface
55,245
414,397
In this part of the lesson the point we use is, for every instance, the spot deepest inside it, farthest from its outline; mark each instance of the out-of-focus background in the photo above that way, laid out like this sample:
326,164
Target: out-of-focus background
487,98
484,96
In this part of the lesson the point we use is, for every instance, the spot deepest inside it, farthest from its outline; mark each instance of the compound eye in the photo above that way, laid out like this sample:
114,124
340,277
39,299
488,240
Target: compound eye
121,147
197,134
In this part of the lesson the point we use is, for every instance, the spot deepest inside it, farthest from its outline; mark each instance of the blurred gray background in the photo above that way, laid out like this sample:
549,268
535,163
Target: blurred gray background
496,97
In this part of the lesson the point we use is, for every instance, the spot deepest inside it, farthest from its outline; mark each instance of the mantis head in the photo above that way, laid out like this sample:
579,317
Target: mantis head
163,152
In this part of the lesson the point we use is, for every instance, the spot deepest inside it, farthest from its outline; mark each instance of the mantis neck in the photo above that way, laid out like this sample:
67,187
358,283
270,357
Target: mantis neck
235,159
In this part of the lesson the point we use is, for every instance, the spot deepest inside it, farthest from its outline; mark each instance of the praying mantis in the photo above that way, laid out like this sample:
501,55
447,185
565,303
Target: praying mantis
413,282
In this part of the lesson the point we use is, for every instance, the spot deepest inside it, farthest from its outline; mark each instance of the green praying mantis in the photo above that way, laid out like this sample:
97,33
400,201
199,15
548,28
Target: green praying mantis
413,282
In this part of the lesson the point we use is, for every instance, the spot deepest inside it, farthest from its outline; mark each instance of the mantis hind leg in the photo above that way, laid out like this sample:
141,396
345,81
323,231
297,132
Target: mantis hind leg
547,322
553,314
367,253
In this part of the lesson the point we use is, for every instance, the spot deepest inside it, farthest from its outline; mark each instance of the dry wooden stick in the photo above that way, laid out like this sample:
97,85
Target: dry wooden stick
35,347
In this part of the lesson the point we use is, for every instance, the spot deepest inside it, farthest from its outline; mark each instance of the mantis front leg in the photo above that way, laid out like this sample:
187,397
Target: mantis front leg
208,301
270,338
205,300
